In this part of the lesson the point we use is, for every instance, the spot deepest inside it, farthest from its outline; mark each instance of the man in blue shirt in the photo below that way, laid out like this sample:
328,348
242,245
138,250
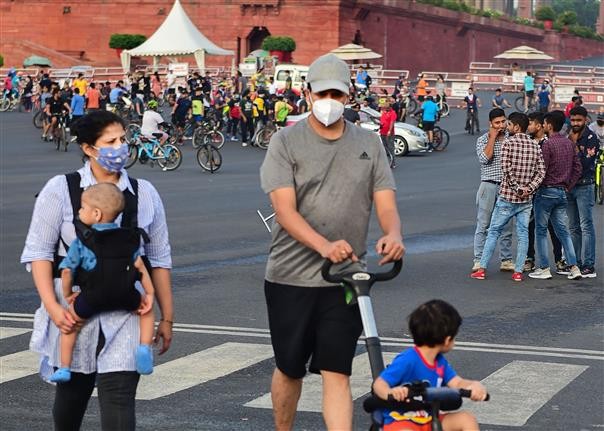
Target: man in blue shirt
77,109
529,89
116,94
361,78
544,97
429,114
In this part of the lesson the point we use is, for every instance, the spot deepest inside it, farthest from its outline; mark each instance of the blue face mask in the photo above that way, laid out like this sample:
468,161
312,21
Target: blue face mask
112,159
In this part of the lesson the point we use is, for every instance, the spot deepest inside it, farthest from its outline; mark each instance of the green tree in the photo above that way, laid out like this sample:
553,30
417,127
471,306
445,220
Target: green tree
587,10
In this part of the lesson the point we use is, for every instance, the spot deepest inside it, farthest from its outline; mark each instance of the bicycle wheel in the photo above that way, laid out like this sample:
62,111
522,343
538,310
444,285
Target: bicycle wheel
214,138
411,107
38,120
132,155
4,104
441,139
444,110
264,135
519,103
172,157
57,138
209,158
64,139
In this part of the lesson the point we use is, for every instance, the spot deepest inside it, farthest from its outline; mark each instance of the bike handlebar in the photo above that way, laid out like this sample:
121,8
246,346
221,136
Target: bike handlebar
382,276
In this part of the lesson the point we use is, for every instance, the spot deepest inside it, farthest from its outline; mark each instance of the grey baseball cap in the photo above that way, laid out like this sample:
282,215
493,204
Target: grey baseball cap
328,72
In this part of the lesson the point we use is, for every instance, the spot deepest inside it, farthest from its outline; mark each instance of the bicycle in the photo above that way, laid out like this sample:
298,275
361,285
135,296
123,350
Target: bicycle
209,157
10,102
440,137
208,132
471,121
59,134
443,107
599,188
145,149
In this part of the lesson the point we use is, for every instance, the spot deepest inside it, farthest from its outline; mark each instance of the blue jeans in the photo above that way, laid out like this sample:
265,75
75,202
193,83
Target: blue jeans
581,224
503,213
550,205
485,203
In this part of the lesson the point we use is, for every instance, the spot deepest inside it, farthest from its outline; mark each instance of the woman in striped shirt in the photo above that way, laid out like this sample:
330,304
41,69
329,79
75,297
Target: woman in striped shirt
106,345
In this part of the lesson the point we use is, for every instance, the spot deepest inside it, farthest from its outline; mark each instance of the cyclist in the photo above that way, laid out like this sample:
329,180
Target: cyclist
472,104
429,118
115,95
181,110
197,106
499,101
282,110
54,109
440,87
529,89
151,122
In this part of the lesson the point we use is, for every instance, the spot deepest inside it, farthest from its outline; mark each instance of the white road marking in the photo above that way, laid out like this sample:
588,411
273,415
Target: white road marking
18,365
236,331
312,390
521,388
7,332
197,368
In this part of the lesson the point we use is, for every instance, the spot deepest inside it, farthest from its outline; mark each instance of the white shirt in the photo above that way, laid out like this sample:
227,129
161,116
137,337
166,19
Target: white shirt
151,122
171,78
599,131
272,89
53,218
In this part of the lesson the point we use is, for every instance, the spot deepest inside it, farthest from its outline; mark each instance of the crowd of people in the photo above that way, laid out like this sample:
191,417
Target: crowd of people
530,170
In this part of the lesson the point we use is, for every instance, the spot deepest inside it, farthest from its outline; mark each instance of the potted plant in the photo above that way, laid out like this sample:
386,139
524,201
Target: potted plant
547,15
280,47
119,42
566,19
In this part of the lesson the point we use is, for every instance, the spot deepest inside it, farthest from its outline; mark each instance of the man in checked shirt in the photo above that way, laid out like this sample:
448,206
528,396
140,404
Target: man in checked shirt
563,170
523,170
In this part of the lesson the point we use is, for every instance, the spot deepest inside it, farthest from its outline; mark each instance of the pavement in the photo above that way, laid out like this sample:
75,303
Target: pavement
537,345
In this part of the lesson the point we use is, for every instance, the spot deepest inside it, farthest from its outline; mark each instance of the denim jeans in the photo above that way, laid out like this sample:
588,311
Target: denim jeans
485,203
502,214
581,224
550,205
556,245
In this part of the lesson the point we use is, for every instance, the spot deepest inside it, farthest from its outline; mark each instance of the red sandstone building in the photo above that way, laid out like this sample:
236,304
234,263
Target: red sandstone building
410,35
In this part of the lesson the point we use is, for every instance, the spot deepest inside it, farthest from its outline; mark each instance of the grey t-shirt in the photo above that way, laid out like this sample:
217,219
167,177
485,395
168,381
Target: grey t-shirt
334,183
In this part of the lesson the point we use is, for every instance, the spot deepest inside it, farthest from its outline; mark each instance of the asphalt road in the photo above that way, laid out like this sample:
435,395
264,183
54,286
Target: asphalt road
538,344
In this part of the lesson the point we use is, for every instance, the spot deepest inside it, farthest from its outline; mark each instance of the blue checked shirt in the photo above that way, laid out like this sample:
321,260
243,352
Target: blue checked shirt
53,217
490,169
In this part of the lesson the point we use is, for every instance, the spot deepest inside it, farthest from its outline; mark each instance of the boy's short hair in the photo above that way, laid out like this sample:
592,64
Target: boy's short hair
107,197
578,110
496,113
555,119
537,117
519,119
431,323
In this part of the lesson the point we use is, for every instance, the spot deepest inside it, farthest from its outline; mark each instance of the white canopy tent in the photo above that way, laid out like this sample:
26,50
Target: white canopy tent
176,36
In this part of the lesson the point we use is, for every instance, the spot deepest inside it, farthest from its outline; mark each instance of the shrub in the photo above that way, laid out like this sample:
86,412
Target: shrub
126,41
279,43
1,60
568,17
545,13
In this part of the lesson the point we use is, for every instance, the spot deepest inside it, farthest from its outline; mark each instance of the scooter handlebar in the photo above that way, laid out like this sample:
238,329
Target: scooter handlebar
382,276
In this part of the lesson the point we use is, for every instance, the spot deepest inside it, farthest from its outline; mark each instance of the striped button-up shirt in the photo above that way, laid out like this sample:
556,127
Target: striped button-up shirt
523,168
53,219
490,169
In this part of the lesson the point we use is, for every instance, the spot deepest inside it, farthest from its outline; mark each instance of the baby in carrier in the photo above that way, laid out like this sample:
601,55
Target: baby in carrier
104,261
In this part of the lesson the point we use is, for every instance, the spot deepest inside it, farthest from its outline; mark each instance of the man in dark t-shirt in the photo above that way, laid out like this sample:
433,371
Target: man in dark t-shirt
352,114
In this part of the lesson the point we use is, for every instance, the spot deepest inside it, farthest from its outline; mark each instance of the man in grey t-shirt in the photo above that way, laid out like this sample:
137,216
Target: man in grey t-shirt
322,175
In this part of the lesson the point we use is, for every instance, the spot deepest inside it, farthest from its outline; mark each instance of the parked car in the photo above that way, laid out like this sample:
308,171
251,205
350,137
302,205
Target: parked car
407,138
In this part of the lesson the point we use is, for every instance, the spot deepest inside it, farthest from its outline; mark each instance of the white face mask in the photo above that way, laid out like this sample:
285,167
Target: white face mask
327,110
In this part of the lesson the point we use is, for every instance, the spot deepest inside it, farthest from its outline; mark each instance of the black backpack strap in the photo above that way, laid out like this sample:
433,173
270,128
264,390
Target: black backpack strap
130,214
75,191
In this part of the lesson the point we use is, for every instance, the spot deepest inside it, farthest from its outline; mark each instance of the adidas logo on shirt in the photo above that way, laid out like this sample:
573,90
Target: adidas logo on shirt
364,156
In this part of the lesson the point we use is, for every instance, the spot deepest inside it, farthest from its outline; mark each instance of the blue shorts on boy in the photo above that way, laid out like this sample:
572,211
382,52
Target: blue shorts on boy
80,256
409,367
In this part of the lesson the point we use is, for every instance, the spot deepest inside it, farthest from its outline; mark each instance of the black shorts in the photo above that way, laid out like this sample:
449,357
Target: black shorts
428,125
312,323
530,94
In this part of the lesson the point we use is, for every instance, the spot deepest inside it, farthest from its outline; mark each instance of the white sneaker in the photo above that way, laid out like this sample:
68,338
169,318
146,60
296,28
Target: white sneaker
244,144
507,265
476,265
541,274
575,273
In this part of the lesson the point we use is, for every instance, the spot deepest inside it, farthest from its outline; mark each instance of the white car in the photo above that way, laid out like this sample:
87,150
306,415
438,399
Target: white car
407,138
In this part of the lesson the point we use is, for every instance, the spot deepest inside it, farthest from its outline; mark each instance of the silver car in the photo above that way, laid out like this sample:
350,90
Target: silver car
407,138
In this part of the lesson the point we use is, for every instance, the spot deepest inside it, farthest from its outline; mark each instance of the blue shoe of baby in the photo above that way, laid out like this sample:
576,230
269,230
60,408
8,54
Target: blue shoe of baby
62,375
144,359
